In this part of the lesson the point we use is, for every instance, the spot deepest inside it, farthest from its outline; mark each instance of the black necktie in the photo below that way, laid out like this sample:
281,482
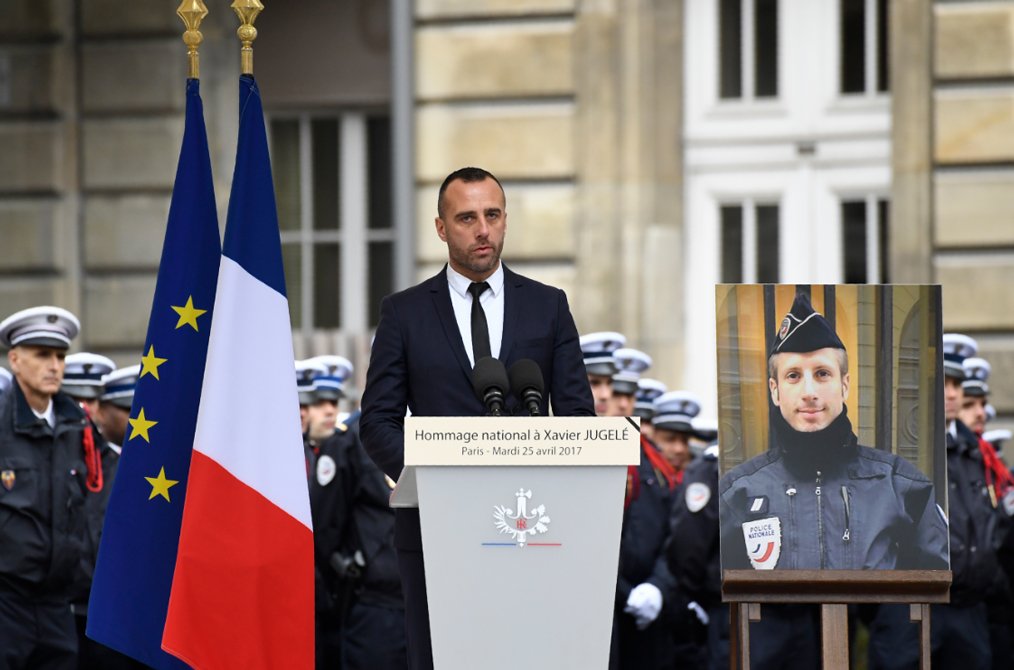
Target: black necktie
480,330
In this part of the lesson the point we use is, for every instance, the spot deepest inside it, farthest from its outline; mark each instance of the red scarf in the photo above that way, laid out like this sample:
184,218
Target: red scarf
998,477
93,459
664,471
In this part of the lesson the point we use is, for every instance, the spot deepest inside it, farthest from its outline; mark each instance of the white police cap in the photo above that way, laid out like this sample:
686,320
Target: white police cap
957,348
45,326
976,374
630,363
705,428
306,372
83,373
598,348
676,410
331,384
119,386
6,380
644,399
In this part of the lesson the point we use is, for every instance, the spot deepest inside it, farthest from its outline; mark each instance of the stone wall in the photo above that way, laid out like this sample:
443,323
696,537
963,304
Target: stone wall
973,180
91,116
576,107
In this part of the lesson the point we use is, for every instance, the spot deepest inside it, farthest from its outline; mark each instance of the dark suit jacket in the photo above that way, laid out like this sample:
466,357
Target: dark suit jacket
418,362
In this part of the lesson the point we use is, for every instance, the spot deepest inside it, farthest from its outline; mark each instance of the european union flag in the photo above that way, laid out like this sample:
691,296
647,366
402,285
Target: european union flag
137,555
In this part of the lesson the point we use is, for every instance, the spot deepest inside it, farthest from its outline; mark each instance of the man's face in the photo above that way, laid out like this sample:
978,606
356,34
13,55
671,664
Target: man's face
322,417
809,389
602,391
953,398
473,224
973,413
621,404
112,421
39,370
674,446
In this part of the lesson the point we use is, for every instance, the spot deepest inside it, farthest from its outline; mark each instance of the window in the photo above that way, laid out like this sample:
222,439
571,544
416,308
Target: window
864,241
332,182
748,49
864,57
749,238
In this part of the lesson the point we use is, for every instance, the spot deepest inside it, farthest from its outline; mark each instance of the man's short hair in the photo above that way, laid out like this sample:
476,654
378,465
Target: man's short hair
468,175
843,363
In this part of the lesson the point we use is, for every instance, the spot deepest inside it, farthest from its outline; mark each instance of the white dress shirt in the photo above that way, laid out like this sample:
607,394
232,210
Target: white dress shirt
492,304
49,416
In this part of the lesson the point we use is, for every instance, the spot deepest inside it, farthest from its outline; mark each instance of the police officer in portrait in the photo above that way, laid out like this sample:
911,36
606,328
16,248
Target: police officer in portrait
816,498
49,469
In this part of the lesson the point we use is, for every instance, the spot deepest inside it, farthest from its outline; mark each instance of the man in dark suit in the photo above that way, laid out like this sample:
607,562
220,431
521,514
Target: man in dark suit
429,338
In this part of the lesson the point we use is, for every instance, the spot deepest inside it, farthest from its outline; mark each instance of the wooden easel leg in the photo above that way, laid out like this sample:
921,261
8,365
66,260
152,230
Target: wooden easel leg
740,616
920,612
834,637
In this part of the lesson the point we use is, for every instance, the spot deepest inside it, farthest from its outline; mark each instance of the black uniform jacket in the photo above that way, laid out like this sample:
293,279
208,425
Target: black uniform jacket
865,509
418,362
692,551
977,528
44,518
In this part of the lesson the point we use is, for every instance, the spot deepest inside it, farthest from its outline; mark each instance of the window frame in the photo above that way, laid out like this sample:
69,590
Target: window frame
353,235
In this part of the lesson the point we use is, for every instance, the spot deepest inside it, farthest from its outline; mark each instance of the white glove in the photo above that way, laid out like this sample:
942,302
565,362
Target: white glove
644,604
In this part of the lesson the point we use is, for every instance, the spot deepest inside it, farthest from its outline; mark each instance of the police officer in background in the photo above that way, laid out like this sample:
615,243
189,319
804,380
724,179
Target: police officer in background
959,632
354,551
693,556
644,403
641,633
999,604
49,470
82,379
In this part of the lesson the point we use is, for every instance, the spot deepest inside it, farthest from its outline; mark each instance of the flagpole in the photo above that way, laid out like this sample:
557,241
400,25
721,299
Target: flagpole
192,12
247,11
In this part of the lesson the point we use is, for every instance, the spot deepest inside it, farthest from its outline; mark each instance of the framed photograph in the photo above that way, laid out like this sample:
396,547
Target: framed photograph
831,428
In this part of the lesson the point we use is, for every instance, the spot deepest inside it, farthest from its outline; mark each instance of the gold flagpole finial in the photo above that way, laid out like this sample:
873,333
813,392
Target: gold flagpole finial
247,11
192,12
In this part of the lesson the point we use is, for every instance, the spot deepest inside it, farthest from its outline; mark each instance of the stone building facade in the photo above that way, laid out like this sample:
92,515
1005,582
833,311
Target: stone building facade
578,105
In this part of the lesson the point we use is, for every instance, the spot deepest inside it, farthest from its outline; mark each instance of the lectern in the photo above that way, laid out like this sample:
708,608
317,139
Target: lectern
520,521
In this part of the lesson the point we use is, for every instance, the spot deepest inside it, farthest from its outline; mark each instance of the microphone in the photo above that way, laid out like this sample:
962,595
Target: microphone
526,380
489,379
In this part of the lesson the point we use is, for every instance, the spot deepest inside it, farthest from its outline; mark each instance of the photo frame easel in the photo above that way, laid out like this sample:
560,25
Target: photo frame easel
747,590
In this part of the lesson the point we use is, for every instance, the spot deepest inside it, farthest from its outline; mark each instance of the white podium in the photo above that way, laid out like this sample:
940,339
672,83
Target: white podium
520,522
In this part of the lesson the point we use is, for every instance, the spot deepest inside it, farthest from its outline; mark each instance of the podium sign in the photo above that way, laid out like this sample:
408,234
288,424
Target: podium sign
520,523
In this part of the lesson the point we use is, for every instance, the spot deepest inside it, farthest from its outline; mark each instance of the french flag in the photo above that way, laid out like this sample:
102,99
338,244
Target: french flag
242,591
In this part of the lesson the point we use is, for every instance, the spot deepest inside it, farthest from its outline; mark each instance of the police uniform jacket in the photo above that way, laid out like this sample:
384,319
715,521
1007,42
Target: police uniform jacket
976,529
642,539
692,552
44,501
839,506
349,497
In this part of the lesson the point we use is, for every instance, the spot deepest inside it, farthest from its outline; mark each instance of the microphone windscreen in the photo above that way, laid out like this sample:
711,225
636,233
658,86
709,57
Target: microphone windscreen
488,373
525,375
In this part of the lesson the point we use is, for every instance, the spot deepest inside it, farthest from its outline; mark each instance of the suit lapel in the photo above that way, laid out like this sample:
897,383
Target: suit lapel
440,292
511,309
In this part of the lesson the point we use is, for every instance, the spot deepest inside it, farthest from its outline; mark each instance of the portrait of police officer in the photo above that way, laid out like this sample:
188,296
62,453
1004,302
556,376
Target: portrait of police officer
817,499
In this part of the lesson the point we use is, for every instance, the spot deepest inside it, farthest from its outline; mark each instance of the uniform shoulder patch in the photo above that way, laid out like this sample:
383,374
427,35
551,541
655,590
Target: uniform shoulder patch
763,542
697,496
326,470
